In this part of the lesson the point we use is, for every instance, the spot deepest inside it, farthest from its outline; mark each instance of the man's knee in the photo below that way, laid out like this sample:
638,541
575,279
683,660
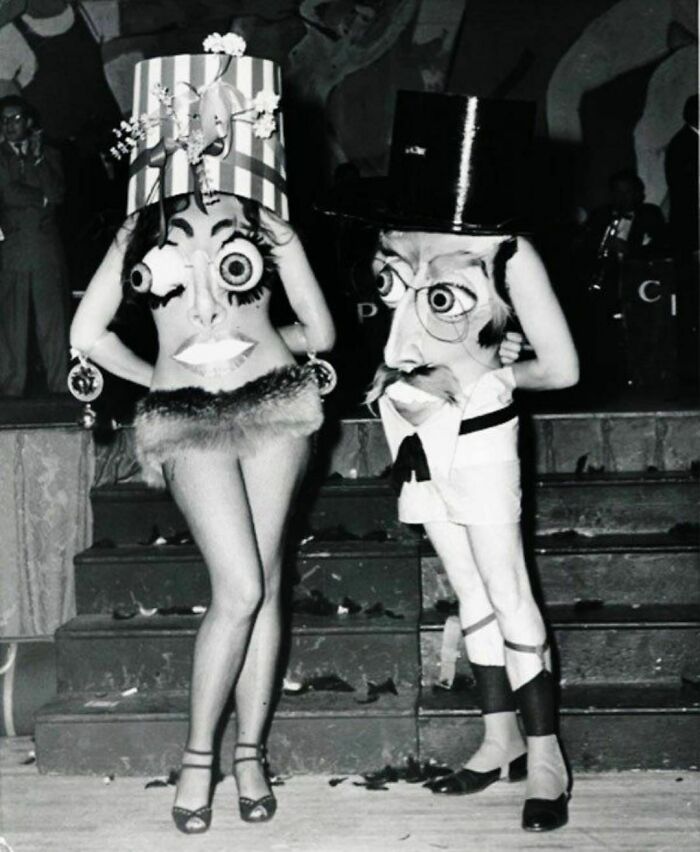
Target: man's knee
510,593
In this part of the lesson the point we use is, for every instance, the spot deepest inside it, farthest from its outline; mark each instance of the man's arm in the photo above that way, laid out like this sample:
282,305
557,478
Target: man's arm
47,175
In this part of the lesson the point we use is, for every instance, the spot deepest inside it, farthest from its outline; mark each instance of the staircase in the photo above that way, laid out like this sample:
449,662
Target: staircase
614,556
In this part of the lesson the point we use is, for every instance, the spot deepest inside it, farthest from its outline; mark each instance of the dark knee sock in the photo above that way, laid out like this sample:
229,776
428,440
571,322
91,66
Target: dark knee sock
493,688
536,701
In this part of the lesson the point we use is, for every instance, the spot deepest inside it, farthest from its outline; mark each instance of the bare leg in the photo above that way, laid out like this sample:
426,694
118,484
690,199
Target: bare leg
208,488
501,563
271,479
503,741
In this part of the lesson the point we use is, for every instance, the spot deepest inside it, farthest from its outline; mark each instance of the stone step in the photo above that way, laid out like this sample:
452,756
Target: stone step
143,734
590,504
600,644
559,442
614,569
599,504
603,727
610,569
616,440
611,727
170,575
97,653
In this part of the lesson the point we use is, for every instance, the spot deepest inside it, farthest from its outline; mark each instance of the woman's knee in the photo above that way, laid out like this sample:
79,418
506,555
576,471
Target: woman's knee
237,602
272,584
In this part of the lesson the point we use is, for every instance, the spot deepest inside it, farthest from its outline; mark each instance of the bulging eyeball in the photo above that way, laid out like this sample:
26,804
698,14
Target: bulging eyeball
141,278
240,265
390,285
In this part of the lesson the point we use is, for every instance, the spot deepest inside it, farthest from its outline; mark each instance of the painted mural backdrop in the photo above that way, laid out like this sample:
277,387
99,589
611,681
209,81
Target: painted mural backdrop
610,76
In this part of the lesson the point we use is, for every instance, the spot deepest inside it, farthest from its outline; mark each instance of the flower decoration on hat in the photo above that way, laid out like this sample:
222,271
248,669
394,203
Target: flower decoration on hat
229,43
198,117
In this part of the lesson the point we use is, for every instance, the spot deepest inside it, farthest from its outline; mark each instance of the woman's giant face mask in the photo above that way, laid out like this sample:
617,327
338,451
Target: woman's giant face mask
212,270
438,287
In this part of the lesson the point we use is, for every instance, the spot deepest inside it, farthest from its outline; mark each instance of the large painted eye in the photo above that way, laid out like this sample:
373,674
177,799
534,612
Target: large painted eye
390,285
240,265
141,278
450,301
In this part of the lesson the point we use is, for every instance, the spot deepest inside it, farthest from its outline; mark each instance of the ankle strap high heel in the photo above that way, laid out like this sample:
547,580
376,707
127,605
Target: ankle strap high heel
262,809
195,821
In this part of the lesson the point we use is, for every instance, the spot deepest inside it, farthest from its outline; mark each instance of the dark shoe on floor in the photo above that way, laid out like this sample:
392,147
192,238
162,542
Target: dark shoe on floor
195,821
546,814
466,781
256,810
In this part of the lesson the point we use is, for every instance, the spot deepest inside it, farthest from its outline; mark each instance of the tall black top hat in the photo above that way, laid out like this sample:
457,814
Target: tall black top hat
459,164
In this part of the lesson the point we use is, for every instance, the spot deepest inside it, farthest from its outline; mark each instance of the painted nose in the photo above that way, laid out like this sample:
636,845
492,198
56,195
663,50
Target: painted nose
206,311
205,314
403,350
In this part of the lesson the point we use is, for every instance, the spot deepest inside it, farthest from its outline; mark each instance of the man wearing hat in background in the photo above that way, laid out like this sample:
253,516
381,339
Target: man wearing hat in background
31,256
454,268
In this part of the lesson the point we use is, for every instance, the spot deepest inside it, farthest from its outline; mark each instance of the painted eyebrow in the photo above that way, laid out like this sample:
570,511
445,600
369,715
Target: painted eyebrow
221,224
387,251
474,260
182,224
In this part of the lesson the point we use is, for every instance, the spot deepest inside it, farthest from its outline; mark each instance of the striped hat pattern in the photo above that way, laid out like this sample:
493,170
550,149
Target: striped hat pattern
199,125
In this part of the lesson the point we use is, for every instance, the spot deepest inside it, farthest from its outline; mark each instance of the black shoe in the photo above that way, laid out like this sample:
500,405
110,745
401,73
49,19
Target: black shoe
546,814
198,820
256,810
466,781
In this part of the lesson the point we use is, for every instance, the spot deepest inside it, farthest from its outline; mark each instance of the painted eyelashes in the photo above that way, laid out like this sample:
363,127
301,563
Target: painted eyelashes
244,263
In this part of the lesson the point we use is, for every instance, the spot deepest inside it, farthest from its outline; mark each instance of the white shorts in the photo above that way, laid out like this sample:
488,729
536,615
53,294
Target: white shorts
480,484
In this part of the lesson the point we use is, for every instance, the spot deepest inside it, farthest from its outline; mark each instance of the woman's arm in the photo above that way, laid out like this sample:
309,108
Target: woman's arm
555,364
314,330
89,332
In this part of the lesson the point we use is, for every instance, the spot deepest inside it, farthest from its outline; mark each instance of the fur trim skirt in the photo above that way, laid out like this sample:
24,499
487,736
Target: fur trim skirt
285,401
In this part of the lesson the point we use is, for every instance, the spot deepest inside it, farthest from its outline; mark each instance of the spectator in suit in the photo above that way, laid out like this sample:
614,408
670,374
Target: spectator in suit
31,257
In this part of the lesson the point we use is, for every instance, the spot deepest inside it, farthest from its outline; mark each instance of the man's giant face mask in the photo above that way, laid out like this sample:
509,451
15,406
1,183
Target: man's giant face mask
203,284
441,290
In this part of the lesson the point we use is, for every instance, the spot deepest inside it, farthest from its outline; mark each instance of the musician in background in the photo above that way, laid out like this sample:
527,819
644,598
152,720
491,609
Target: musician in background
626,228
635,229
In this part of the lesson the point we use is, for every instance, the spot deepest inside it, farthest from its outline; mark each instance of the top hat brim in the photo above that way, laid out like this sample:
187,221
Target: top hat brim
369,201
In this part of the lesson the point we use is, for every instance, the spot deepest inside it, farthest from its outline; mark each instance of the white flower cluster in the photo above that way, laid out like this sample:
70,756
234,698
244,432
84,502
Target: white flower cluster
265,101
229,43
264,125
163,95
195,146
264,104
128,134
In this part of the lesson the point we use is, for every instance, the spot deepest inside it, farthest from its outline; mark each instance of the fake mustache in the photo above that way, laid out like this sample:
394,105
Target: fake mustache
437,380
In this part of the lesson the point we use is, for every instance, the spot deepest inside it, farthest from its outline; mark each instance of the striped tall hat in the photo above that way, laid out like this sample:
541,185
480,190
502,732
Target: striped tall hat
206,123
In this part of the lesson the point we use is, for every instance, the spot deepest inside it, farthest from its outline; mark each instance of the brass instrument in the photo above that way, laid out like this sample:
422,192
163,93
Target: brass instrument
595,285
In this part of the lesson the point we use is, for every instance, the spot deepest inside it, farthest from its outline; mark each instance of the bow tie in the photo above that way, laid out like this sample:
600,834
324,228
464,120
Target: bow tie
410,459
